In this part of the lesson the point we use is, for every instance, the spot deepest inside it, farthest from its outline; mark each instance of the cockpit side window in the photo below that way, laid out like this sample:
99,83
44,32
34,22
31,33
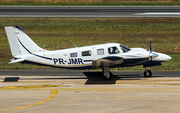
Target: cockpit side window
124,48
113,50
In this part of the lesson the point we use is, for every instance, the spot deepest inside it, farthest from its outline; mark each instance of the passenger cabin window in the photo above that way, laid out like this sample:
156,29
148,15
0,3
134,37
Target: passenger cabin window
73,55
100,51
124,48
86,53
113,50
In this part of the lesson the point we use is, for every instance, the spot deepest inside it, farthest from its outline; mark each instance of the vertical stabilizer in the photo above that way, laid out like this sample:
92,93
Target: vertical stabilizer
20,43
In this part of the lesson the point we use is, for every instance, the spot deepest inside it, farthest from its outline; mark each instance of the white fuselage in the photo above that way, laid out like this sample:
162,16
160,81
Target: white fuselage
83,56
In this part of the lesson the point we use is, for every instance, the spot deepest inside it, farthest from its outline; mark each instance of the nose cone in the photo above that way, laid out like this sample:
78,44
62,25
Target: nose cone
162,57
165,57
168,57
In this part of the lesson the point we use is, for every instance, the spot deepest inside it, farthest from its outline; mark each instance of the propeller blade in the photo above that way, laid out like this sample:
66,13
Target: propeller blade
150,46
151,55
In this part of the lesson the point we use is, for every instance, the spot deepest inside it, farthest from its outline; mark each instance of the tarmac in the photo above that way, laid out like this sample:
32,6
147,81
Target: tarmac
127,92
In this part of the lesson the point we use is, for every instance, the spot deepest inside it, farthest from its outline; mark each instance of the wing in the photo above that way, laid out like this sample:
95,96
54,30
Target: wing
107,62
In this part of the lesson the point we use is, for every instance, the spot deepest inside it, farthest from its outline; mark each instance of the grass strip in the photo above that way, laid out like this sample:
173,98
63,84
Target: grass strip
91,2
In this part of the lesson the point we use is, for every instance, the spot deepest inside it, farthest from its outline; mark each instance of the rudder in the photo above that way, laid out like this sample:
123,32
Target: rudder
20,43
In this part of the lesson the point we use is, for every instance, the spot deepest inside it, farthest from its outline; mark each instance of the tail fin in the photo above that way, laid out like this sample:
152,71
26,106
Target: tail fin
20,43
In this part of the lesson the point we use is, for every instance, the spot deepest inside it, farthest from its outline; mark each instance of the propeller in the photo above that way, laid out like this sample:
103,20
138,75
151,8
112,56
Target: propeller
151,54
150,51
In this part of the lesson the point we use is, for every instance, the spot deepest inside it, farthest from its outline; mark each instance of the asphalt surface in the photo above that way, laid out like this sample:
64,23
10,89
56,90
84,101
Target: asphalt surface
76,73
88,11
67,91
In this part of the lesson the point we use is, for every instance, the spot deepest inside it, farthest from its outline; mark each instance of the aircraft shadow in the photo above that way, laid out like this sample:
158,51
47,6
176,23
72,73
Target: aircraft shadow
97,78
11,79
93,78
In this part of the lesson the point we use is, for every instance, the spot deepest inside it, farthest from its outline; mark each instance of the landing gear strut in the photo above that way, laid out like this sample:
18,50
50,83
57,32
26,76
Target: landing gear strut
106,73
147,73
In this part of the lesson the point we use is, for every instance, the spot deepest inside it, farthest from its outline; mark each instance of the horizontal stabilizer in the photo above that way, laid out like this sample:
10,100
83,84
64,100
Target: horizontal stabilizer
16,61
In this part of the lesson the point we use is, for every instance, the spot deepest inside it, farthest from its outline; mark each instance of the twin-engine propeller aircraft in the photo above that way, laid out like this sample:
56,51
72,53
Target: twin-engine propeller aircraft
104,56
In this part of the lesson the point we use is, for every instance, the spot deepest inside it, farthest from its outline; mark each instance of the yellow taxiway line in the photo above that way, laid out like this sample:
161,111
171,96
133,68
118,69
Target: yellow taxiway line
53,94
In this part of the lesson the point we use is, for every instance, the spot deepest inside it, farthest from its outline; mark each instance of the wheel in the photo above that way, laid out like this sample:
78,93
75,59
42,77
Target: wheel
106,73
147,73
108,77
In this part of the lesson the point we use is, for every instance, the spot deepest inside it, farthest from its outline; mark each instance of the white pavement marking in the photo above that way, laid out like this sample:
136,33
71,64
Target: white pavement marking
158,13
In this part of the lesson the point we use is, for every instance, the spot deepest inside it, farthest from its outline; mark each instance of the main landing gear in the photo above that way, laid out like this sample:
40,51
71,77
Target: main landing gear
106,73
147,73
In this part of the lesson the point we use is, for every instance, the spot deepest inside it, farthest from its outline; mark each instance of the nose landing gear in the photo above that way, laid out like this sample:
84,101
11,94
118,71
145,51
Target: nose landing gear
147,73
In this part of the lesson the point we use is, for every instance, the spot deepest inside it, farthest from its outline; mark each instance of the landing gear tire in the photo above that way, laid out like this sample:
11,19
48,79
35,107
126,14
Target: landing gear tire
106,73
108,77
147,73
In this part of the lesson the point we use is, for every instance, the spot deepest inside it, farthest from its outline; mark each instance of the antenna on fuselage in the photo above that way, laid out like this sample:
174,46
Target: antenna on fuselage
73,43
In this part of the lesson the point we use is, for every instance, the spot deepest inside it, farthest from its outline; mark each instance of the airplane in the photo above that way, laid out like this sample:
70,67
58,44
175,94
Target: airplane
103,56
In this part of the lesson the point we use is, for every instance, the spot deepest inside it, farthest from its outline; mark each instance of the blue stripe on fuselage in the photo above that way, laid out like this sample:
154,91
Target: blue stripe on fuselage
35,63
32,53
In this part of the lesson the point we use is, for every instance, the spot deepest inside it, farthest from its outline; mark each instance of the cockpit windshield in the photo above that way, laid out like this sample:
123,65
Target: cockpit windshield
124,48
